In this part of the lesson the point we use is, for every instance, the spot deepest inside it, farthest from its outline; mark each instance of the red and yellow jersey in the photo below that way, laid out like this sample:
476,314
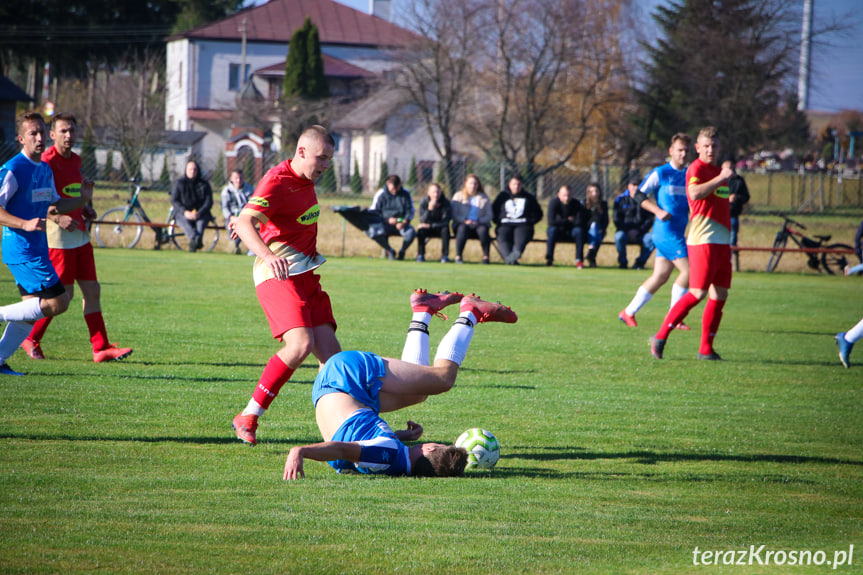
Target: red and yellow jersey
709,218
287,207
67,178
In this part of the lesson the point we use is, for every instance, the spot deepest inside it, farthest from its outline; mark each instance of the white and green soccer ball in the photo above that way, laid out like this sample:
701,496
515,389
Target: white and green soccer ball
483,449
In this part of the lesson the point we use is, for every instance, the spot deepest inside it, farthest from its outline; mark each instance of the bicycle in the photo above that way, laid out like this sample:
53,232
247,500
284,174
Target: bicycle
828,261
123,227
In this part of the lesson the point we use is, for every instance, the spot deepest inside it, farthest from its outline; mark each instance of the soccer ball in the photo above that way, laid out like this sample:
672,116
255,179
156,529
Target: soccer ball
483,449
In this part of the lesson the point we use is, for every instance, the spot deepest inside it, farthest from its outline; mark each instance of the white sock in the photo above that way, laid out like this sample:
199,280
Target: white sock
453,346
642,296
16,332
855,334
416,348
254,408
29,309
677,292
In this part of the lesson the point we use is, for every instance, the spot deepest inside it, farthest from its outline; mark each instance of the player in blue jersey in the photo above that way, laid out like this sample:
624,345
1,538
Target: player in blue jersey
354,387
26,192
668,185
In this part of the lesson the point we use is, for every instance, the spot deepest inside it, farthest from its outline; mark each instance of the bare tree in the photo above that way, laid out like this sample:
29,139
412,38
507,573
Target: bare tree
439,70
558,63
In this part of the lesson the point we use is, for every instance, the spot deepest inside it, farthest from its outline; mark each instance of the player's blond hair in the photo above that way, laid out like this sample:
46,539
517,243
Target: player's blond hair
709,133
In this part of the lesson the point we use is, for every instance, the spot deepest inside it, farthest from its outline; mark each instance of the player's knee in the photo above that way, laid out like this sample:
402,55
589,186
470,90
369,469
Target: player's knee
55,306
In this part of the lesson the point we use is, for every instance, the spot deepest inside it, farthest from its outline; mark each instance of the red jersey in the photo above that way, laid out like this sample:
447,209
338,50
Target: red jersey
287,207
67,178
709,218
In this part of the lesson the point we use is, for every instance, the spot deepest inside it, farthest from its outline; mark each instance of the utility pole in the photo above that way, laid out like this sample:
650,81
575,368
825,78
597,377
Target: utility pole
804,72
242,29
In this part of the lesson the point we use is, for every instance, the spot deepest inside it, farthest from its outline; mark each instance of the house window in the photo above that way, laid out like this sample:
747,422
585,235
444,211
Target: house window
234,82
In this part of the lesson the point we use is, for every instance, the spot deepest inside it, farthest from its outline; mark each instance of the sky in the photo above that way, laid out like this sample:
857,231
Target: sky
837,73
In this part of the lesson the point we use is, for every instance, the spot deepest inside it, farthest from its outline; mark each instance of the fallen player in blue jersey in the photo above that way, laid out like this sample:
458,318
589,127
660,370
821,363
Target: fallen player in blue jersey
354,387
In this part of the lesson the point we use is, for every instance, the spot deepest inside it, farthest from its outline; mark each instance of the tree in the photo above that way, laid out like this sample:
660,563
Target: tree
356,179
89,167
305,90
439,68
385,173
412,173
727,64
304,67
556,64
327,183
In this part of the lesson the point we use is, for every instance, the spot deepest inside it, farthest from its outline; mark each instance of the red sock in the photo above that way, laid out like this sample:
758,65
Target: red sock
676,314
710,324
39,328
98,333
274,377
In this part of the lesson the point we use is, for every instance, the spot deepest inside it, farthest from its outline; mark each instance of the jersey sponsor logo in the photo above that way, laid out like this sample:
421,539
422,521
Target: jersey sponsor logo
677,190
73,190
260,202
310,216
722,192
41,195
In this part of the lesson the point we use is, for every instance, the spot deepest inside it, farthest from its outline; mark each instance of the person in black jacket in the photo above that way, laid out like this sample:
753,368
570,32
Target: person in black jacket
597,220
192,198
516,212
435,215
396,208
566,223
738,197
634,224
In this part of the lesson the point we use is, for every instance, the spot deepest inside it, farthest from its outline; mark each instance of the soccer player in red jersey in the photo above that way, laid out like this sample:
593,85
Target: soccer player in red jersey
69,245
708,244
298,310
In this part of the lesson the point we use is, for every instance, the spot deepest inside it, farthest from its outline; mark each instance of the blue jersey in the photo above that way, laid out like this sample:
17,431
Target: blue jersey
382,451
358,374
26,191
668,186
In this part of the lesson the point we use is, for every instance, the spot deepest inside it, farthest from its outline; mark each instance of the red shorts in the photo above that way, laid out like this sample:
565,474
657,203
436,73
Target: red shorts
709,264
76,264
296,302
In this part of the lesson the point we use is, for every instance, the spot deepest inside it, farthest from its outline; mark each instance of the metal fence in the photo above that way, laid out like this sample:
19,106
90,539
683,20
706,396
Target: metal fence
821,192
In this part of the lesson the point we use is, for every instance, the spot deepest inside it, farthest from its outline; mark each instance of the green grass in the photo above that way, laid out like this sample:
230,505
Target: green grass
612,462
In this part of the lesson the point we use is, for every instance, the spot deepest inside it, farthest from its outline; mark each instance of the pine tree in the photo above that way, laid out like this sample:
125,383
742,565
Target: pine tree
89,167
218,179
356,179
385,173
165,176
108,172
327,183
412,174
304,66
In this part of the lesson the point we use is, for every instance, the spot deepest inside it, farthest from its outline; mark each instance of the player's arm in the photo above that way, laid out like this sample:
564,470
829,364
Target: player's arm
66,205
651,206
324,451
247,230
699,191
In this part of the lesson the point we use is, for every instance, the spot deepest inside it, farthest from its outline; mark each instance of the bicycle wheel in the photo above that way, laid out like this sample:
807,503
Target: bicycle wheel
181,241
781,240
833,263
111,232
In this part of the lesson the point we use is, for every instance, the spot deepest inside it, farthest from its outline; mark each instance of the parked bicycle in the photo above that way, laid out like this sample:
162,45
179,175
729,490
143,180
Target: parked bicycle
830,262
123,226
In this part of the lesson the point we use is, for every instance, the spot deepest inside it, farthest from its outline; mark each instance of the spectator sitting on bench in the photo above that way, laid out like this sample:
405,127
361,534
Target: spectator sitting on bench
471,217
597,221
396,208
634,225
516,211
435,215
566,219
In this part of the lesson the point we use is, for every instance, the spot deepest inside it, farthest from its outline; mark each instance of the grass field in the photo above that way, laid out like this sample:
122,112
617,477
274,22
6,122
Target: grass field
612,462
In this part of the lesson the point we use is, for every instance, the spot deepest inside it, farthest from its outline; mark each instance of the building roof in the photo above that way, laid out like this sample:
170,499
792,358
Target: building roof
333,68
372,110
10,92
277,20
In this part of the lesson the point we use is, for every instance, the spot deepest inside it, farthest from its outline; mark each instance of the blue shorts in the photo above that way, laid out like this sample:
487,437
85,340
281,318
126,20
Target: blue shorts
670,247
356,373
36,277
